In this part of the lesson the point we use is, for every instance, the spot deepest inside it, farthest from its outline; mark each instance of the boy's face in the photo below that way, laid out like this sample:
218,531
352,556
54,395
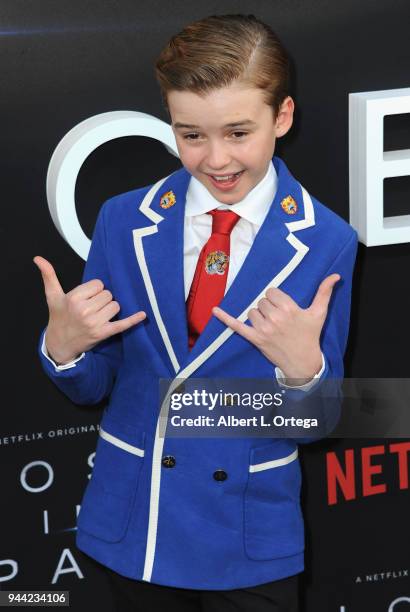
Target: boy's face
210,146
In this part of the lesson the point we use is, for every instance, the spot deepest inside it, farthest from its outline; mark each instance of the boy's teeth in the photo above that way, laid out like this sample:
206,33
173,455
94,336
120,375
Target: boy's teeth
225,178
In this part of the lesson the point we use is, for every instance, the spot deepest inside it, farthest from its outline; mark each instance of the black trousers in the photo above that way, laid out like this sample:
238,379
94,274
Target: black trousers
140,596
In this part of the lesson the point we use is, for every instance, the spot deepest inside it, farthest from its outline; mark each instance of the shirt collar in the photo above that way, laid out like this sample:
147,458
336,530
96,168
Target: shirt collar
254,206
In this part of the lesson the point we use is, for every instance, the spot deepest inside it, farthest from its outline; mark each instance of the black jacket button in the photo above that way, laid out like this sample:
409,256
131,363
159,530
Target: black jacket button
168,461
220,475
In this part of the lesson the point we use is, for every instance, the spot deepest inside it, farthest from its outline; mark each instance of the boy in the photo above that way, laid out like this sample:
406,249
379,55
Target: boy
211,524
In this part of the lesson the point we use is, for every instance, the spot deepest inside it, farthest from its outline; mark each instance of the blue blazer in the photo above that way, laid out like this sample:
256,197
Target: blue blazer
202,513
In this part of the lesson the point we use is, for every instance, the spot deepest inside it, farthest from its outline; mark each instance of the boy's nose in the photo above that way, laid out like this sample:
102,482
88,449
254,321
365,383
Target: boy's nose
217,158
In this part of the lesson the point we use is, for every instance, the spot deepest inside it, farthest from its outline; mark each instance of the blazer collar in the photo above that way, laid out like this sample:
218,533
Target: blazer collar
274,255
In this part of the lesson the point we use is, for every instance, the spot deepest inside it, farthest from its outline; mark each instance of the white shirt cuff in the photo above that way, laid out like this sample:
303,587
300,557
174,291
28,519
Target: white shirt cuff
65,366
280,375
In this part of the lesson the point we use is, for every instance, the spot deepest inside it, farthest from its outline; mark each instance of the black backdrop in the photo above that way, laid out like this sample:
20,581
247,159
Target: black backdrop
62,62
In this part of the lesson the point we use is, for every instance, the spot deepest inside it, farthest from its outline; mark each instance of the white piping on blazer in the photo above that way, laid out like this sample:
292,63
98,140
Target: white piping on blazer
267,465
135,450
138,234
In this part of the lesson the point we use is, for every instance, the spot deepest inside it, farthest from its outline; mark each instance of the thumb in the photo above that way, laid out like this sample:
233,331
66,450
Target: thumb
52,285
321,300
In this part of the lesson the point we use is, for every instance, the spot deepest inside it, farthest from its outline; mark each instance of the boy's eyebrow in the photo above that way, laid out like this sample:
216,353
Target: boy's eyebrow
234,124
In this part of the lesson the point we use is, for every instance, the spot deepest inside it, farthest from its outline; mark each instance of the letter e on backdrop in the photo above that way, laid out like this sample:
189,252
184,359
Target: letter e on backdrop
369,165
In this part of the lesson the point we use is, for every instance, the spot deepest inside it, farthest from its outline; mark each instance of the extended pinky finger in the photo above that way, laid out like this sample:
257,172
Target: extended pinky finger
237,326
115,327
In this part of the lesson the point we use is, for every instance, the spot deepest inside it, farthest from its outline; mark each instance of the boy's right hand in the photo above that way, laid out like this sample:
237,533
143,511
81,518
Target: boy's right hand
79,319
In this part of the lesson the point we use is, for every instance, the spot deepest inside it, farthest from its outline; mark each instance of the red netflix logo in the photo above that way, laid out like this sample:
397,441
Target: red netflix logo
341,476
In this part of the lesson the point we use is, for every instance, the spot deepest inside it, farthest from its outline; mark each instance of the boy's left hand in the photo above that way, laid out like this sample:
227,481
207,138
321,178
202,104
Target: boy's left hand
289,336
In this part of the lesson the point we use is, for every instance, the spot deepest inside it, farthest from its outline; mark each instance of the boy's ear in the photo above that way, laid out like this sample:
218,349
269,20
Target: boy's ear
284,119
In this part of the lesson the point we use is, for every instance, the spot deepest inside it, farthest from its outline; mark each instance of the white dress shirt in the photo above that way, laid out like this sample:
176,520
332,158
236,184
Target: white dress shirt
198,227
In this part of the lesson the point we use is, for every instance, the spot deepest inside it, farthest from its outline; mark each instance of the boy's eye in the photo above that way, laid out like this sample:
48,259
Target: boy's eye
239,134
191,136
195,136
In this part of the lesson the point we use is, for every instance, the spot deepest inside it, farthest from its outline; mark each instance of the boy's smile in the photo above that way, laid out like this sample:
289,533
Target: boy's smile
226,138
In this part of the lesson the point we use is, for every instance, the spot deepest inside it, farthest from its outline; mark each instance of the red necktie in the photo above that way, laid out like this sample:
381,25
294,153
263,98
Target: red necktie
209,282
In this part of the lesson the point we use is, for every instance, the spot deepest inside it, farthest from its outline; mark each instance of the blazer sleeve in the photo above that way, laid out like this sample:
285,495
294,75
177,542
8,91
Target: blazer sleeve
324,400
91,378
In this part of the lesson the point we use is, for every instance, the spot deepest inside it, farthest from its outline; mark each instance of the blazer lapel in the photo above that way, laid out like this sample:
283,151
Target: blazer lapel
159,251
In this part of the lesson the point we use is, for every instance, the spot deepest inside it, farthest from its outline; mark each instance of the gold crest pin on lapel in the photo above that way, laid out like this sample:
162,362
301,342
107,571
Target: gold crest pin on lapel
289,205
167,200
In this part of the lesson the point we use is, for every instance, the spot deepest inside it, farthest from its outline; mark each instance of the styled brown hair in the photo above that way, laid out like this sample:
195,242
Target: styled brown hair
214,51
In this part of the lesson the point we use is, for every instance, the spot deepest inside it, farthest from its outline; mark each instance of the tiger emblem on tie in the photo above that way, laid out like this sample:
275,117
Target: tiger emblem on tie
216,262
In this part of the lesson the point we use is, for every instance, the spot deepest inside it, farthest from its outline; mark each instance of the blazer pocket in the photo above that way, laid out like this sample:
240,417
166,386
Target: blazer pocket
273,522
108,498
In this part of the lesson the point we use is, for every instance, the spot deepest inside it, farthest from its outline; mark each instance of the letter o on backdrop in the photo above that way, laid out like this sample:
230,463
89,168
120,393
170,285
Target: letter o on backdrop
73,150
